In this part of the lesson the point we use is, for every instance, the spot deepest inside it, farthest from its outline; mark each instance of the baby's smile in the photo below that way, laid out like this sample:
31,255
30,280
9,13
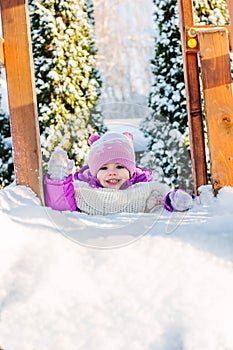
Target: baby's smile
113,175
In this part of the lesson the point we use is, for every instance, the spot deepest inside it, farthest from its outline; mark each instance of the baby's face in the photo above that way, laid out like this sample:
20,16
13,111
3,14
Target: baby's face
113,175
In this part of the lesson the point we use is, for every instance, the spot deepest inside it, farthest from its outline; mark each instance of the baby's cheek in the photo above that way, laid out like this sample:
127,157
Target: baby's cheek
126,175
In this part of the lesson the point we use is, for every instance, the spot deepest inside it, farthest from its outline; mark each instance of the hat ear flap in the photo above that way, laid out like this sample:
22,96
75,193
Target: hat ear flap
93,138
129,135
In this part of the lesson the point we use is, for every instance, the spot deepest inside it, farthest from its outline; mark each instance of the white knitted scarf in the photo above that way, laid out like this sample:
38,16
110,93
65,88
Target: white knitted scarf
146,197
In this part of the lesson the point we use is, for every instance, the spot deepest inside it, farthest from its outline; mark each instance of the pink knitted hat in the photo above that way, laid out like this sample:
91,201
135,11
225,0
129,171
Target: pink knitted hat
112,147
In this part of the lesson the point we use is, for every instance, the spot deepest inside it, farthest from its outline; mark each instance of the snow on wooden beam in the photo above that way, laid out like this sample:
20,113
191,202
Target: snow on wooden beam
217,86
21,94
2,59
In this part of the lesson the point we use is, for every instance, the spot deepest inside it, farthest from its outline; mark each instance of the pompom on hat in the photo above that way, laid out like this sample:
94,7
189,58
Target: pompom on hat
112,147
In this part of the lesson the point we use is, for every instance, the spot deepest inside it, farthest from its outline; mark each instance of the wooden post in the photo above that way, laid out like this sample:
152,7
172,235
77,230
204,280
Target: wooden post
217,85
21,93
230,9
193,96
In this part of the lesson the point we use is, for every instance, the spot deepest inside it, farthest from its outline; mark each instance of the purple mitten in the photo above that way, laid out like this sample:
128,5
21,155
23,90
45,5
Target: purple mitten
178,200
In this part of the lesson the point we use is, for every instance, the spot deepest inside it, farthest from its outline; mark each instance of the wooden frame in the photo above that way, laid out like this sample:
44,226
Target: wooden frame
21,94
230,9
211,44
193,96
217,88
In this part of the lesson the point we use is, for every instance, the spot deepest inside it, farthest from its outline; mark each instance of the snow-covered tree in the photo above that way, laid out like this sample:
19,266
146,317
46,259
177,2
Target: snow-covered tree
6,161
210,12
167,124
67,80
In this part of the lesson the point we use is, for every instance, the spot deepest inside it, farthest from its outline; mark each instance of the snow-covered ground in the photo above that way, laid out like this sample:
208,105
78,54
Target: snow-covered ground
126,281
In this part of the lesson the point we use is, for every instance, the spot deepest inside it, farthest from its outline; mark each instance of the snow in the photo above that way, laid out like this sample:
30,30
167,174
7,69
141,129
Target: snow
127,281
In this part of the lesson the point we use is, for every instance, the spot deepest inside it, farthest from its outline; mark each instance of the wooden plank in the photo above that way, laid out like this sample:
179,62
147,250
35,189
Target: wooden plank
193,96
230,9
21,93
201,26
217,85
2,58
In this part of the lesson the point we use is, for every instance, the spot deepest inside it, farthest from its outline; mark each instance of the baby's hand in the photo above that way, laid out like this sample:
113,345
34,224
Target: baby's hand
59,166
178,200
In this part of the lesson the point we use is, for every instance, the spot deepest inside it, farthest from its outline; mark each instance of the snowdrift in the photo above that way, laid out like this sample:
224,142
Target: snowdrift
146,281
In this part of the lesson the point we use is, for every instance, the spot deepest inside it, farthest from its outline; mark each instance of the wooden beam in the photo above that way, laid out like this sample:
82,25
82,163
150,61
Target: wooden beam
200,26
230,9
21,93
217,85
193,97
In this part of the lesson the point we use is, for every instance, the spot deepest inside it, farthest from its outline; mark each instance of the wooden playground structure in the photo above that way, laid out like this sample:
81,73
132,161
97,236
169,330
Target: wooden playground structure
209,45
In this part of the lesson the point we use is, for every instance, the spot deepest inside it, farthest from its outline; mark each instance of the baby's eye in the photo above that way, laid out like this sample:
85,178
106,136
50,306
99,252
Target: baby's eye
103,168
120,167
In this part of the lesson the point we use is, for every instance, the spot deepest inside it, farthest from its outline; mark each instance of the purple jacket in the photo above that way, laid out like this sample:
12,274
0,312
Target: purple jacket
59,195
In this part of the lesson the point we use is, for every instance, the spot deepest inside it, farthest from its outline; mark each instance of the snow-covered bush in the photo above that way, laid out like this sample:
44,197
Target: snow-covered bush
6,161
210,12
67,81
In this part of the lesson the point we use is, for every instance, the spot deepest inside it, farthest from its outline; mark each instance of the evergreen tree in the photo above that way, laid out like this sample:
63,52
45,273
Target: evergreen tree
67,81
6,161
167,153
210,12
167,124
